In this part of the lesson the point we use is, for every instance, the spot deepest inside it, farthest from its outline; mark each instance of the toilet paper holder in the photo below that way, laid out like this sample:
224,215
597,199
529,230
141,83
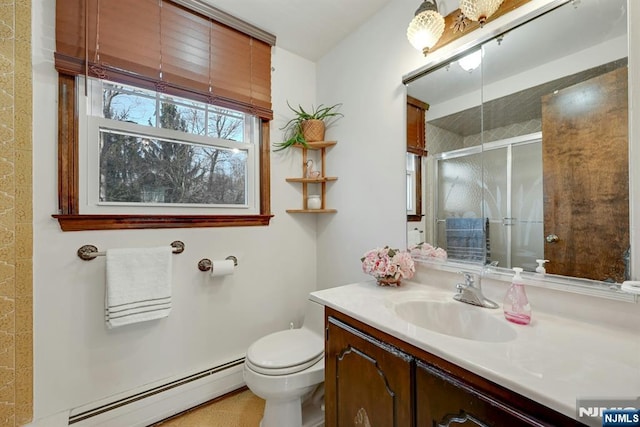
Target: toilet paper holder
205,264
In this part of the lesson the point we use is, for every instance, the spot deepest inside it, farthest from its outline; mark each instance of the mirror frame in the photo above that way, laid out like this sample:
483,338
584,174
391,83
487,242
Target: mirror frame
517,17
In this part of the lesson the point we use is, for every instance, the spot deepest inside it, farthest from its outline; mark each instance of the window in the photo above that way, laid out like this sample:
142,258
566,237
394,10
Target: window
166,136
411,184
150,152
416,150
414,187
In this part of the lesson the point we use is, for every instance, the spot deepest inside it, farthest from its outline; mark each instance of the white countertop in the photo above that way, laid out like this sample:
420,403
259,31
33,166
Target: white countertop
553,360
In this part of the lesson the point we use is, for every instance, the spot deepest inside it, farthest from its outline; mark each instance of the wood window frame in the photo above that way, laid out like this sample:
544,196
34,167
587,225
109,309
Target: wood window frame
416,144
229,67
69,216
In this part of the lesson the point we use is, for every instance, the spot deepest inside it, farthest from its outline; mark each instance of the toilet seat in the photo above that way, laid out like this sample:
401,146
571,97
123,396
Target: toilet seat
285,352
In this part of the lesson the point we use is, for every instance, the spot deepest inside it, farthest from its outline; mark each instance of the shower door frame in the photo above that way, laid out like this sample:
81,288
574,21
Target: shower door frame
507,143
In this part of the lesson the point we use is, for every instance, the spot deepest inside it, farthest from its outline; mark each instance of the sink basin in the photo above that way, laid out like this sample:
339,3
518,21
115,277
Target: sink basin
456,319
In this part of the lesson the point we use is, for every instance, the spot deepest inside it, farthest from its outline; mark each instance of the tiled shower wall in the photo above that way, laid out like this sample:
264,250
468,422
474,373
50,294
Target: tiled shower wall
16,236
440,140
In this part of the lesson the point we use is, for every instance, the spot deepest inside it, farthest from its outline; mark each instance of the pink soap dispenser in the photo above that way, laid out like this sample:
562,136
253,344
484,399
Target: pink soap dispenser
516,304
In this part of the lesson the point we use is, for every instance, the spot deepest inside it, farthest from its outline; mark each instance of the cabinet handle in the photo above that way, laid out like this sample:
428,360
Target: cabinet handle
461,418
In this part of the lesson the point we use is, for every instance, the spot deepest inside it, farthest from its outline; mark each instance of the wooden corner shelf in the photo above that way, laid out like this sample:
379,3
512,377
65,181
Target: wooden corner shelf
318,145
321,180
313,180
312,210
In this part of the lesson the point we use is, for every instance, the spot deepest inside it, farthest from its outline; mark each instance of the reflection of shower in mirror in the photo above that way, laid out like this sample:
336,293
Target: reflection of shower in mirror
503,139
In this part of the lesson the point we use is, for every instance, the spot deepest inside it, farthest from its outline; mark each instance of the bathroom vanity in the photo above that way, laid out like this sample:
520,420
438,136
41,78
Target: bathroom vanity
412,356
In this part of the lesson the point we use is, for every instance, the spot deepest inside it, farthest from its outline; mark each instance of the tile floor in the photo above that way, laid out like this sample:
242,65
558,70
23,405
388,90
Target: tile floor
243,409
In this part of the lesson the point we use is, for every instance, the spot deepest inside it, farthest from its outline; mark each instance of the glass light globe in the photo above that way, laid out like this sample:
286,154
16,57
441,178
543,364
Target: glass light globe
479,10
426,27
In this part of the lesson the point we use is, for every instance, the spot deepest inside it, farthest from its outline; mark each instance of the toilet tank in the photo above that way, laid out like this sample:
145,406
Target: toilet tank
314,317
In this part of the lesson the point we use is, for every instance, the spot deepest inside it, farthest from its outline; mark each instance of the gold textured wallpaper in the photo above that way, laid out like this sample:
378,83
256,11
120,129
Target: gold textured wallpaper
16,220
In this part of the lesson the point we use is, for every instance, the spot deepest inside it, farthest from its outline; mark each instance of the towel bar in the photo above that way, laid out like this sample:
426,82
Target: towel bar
205,264
89,252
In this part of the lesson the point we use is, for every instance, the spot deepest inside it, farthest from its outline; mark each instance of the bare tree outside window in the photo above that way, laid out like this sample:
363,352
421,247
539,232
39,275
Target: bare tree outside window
137,168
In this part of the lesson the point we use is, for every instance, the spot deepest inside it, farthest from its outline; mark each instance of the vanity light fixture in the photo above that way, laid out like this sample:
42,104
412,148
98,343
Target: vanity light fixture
471,61
479,10
426,27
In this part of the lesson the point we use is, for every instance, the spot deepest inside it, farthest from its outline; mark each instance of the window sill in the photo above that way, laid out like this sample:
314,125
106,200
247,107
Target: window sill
124,222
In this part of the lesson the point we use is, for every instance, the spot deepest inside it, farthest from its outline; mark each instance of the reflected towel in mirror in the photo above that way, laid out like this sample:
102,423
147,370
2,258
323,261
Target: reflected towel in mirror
467,239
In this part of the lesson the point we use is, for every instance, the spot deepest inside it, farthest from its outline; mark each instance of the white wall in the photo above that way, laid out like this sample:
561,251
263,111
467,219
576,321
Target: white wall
365,73
76,359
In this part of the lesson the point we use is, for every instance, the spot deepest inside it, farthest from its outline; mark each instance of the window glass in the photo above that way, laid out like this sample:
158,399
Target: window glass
127,104
411,184
183,155
226,124
135,105
183,118
138,169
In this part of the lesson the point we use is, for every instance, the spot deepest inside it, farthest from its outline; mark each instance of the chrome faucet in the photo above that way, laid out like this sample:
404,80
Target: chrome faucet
471,292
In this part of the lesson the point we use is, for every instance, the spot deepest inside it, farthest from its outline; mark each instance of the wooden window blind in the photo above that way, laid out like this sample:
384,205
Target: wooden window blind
161,45
184,48
416,116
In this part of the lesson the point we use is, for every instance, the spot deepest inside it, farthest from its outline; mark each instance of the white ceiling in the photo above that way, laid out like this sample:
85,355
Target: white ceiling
309,28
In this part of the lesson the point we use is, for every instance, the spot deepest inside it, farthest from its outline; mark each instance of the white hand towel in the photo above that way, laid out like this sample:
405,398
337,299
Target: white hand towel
138,285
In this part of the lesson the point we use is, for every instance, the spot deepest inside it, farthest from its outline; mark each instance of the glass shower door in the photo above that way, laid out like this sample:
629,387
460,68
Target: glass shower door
513,201
459,199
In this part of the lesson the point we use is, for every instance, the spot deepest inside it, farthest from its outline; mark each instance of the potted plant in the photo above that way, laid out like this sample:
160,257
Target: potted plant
307,126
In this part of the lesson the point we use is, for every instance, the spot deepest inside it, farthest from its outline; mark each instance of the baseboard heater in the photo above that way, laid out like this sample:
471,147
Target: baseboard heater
112,406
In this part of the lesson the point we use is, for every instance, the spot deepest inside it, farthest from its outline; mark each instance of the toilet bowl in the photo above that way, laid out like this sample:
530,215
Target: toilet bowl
286,369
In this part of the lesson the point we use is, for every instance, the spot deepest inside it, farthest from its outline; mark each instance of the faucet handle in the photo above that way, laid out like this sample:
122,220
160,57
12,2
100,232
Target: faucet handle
470,292
469,278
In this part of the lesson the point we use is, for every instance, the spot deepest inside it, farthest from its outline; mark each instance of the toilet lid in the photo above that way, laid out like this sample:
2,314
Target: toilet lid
285,352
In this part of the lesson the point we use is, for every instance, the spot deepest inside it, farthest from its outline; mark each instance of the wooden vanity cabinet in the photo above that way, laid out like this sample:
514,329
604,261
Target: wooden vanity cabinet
444,400
368,381
375,379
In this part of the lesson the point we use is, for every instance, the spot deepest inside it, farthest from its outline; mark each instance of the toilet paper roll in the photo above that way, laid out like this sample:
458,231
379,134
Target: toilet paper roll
414,237
221,267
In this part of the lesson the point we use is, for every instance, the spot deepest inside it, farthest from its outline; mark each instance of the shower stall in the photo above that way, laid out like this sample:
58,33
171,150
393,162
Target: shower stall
493,191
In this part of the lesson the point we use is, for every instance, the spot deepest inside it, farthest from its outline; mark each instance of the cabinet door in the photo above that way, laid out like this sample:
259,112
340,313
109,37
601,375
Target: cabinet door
368,382
445,401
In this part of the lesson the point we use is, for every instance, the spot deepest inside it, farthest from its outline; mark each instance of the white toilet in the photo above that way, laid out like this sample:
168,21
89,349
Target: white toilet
286,369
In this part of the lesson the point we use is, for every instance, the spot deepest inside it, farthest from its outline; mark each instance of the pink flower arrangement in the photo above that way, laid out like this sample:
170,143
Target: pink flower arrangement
428,252
387,264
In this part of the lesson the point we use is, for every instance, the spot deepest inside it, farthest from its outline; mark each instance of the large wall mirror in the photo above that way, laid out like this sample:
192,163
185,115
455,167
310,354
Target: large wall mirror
527,137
